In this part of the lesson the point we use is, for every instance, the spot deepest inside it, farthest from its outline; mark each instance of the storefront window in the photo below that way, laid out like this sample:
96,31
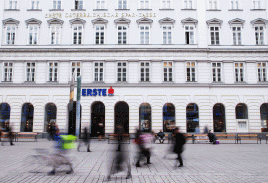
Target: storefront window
219,118
241,111
264,115
192,117
145,117
97,119
4,115
50,116
121,115
27,114
168,117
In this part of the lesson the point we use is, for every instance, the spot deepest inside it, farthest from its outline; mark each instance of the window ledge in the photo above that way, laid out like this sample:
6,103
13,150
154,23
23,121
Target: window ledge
12,9
78,9
263,82
144,81
166,9
214,10
240,82
98,82
191,81
56,10
122,82
217,82
235,10
144,9
52,82
6,81
122,9
167,81
29,82
257,9
188,9
100,9
34,9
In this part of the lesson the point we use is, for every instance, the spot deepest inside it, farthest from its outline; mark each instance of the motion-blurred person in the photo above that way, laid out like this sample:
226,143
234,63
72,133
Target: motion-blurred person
212,137
142,150
178,147
10,134
51,131
197,131
161,136
85,141
120,156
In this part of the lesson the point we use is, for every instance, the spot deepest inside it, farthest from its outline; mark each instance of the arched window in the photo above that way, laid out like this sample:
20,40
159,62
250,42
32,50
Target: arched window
219,118
50,116
4,115
168,117
192,117
27,113
241,112
264,115
97,119
145,117
121,116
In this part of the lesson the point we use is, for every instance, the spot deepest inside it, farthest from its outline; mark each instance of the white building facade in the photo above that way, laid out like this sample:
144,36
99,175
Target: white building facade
169,62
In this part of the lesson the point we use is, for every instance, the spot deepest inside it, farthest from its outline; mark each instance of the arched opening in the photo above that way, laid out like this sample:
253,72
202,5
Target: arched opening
192,117
241,112
97,119
168,117
145,117
264,115
27,113
121,116
4,115
72,118
50,115
219,118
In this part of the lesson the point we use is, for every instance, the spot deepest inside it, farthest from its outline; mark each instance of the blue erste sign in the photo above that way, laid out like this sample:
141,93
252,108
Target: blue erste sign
94,92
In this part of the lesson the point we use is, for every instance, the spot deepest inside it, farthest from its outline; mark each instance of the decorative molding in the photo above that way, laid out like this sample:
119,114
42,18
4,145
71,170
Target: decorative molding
78,21
189,21
55,21
236,21
167,21
10,21
144,20
214,21
99,21
33,21
259,21
122,21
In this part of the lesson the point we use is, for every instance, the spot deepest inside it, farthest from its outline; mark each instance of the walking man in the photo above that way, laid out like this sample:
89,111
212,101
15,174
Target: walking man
86,141
178,147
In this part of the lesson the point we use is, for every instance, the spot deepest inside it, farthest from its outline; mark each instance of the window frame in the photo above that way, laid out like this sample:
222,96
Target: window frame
187,7
10,74
73,31
149,5
215,40
122,67
216,74
122,5
76,6
75,71
98,67
259,33
37,32
211,7
57,4
144,25
10,5
236,32
26,67
53,71
104,6
168,67
191,72
35,7
6,32
117,26
95,33
171,30
194,28
59,33
170,4
262,67
239,72
149,67
253,4
232,6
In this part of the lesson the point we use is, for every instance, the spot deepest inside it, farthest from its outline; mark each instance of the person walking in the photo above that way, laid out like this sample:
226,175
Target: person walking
178,147
10,134
142,150
85,141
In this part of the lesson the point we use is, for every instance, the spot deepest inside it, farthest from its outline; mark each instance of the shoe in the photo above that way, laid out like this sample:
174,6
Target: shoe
128,176
70,171
12,144
108,178
51,173
180,166
88,150
149,163
138,165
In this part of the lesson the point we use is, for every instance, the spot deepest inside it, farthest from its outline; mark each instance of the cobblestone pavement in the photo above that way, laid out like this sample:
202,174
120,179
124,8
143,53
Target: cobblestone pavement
202,163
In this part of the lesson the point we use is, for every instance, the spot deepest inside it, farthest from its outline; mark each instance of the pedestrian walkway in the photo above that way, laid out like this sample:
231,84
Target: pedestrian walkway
202,163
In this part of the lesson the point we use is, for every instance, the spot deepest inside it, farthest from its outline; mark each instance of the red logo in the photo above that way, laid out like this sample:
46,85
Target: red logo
111,91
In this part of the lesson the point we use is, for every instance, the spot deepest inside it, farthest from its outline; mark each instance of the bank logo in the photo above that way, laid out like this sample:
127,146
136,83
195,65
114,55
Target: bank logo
111,91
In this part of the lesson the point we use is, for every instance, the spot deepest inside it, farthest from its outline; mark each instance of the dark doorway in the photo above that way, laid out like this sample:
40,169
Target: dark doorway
97,119
168,117
72,119
192,117
219,118
27,113
121,116
50,115
4,115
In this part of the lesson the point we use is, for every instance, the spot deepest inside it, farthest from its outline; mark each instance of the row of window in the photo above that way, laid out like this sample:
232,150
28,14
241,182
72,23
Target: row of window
143,4
122,32
145,71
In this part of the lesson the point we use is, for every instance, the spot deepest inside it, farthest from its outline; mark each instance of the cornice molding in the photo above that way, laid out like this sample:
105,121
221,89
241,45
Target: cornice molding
236,21
144,20
10,21
259,21
78,21
189,21
214,21
99,21
33,21
55,21
122,21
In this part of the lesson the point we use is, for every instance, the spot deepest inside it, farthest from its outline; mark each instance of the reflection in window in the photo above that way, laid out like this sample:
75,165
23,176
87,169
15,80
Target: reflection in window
168,117
145,117
192,117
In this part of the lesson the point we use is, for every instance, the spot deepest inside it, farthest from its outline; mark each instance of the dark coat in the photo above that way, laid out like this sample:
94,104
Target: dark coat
179,142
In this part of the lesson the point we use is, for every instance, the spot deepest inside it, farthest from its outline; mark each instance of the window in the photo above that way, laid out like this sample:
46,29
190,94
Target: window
256,4
262,71
122,34
168,71
235,4
13,4
98,71
236,35
55,34
213,4
189,34
53,71
188,4
239,72
10,34
100,4
121,71
99,39
78,4
30,71
144,4
166,4
167,35
259,35
215,35
190,71
57,4
145,117
33,35
76,70
8,71
145,71
77,36
34,4
144,34
216,72
122,4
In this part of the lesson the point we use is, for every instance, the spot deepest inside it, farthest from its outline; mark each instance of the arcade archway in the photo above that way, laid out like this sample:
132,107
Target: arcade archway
4,115
121,116
219,118
192,117
97,119
50,115
27,113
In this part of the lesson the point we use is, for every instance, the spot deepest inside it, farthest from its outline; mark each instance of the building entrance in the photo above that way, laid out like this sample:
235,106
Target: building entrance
121,116
97,119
